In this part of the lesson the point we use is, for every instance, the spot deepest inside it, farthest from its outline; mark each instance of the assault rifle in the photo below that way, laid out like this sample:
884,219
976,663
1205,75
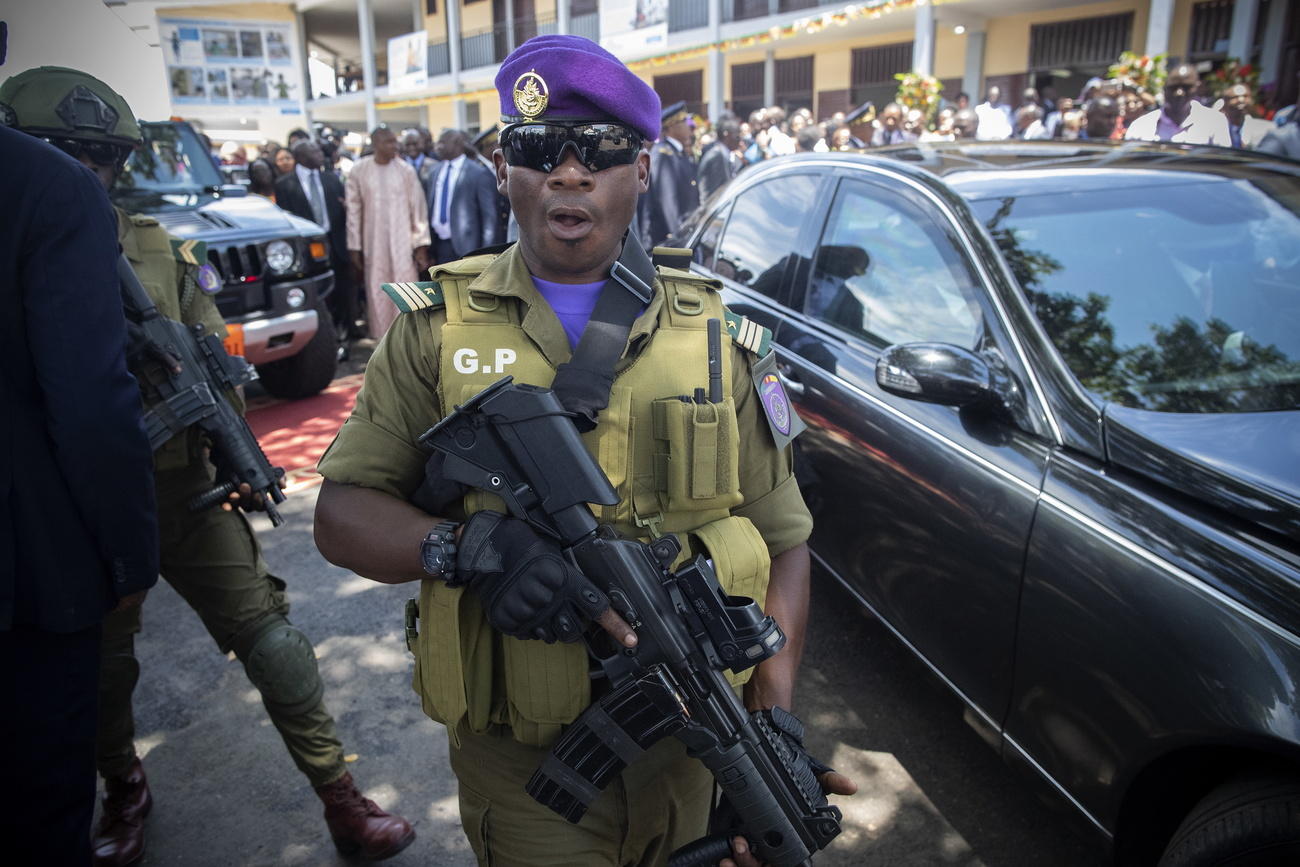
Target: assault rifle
517,441
191,374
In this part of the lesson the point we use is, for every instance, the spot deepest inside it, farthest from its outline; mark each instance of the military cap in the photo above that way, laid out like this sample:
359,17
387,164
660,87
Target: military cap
864,113
58,102
486,141
674,113
567,78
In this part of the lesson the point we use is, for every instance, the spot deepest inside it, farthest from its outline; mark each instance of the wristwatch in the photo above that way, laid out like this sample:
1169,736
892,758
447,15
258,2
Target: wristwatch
438,551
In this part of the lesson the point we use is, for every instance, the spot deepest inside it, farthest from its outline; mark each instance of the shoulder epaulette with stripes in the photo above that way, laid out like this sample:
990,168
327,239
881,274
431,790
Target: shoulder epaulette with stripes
191,252
414,296
748,334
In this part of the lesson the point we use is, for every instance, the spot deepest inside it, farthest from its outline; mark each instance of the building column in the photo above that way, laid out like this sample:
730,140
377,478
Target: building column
366,30
769,78
304,70
1242,38
417,15
510,26
453,44
923,41
562,14
1270,60
717,100
1160,18
972,80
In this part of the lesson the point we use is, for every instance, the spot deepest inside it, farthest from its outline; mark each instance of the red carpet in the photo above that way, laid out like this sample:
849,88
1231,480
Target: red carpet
295,433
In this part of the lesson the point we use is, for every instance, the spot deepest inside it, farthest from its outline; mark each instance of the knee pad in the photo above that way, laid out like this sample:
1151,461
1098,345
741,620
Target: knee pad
281,662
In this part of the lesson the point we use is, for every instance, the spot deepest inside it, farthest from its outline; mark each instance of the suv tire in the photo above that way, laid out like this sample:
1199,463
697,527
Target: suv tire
1250,822
308,372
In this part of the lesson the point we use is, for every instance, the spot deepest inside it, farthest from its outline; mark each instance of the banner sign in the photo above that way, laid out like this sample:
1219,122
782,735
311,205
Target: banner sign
231,63
408,62
630,29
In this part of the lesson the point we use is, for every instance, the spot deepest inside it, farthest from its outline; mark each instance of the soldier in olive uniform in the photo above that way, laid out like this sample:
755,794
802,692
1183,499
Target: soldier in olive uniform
572,164
673,192
211,558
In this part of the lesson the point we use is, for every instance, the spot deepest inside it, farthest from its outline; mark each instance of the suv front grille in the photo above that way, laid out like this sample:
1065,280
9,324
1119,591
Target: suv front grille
243,289
241,264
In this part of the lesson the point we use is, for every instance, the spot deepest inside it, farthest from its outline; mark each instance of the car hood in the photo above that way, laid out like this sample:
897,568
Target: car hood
1245,463
216,218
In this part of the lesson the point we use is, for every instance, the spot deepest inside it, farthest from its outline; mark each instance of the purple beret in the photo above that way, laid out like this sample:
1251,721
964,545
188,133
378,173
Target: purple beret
572,78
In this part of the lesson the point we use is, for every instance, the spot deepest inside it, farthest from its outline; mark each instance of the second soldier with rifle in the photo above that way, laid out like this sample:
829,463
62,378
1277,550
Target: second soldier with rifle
210,556
704,460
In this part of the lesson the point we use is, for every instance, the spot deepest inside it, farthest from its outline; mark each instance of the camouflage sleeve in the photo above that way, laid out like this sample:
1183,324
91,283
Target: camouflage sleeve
772,497
376,447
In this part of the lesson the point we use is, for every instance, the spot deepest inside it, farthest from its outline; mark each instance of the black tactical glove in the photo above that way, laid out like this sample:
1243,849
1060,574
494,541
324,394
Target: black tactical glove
527,588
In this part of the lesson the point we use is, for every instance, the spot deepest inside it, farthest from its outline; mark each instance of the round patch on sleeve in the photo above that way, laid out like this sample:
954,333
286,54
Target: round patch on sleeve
775,403
208,279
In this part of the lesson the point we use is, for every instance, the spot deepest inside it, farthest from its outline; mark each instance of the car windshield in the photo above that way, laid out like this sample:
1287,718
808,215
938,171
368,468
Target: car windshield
1176,297
171,160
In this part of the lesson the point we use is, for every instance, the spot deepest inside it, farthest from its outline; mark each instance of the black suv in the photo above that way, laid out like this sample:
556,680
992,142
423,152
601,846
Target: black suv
274,266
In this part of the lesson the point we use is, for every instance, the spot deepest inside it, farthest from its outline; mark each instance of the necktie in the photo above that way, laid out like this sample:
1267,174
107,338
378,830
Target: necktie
317,200
446,193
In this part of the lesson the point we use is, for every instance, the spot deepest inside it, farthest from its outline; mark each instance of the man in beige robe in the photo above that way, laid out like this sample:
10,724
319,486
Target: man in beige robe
388,228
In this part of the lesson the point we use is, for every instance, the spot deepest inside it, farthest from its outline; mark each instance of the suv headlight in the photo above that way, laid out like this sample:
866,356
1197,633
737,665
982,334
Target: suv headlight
280,257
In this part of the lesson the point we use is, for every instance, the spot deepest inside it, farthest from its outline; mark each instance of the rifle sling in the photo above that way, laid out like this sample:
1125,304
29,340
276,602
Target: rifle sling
583,383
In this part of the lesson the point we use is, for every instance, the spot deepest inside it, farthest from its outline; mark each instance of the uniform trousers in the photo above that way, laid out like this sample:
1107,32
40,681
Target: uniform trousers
213,560
48,729
659,803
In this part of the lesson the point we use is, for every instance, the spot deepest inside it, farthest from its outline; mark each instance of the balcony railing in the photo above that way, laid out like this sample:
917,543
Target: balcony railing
586,25
439,59
742,10
490,45
687,15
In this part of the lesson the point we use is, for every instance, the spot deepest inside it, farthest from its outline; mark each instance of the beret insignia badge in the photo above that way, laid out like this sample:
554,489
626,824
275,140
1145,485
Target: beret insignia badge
531,94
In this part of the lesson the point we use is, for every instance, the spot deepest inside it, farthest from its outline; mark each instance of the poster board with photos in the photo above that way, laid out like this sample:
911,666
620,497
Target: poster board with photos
231,63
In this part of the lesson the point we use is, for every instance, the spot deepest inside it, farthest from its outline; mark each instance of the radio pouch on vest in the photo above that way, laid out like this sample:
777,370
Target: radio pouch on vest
583,383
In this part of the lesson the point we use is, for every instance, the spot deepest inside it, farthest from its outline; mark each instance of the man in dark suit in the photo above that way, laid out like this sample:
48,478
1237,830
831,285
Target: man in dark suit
718,163
78,529
673,192
462,194
317,195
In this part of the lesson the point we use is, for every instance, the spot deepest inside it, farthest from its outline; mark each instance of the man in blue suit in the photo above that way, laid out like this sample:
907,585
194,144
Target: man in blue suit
78,530
462,194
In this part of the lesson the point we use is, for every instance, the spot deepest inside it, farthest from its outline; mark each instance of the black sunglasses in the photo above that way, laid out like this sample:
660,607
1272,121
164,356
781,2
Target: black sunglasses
541,146
98,152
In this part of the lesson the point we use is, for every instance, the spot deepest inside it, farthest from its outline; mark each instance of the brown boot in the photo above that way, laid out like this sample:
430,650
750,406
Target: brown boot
357,824
119,839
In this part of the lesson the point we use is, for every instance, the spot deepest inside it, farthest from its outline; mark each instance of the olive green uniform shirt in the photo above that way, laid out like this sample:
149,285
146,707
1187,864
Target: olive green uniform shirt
376,447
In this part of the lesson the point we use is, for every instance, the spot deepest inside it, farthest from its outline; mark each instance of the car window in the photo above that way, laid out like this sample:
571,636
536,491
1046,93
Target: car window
886,272
171,159
1174,297
707,246
760,244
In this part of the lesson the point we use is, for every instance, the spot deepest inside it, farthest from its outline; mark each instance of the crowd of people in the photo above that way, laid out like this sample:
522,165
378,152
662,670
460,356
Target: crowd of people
409,201
405,203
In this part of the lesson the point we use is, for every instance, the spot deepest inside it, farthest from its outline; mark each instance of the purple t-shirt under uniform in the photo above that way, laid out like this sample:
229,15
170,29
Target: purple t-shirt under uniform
572,303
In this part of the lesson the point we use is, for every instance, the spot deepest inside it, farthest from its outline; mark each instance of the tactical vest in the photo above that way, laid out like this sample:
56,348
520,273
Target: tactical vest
162,262
673,463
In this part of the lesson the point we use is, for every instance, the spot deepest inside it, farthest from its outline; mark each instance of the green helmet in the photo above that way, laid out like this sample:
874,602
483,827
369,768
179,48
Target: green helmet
57,102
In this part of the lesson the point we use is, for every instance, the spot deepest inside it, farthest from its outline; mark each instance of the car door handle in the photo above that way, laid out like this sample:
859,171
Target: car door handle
790,379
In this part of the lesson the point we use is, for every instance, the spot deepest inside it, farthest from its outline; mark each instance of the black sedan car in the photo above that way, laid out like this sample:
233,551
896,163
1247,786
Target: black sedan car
1053,393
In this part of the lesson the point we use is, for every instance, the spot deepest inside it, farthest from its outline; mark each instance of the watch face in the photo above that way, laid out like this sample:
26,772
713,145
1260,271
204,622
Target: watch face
431,557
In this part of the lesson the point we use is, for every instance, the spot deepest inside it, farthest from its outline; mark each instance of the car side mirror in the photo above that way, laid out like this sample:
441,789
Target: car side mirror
936,373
